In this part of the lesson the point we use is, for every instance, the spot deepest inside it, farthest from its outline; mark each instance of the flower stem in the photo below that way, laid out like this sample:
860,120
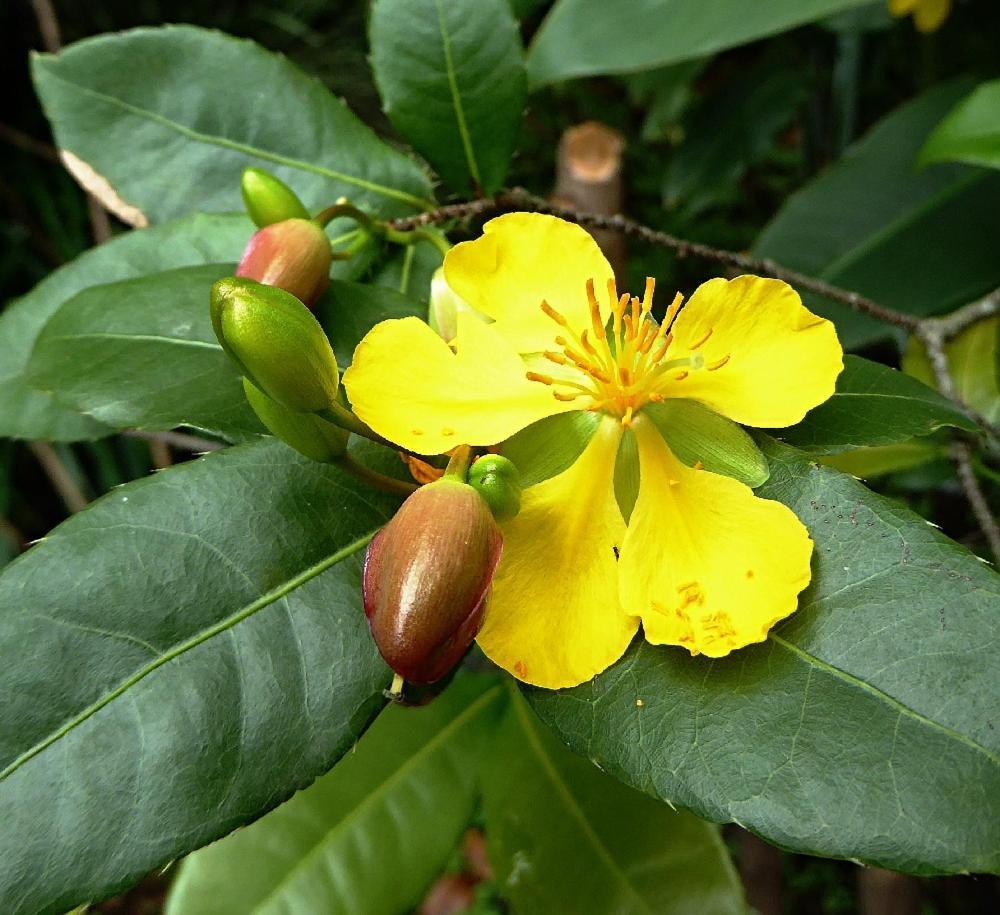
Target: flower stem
458,463
374,478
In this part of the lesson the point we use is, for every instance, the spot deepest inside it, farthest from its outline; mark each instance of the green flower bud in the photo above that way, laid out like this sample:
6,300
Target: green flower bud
293,255
496,479
446,305
427,576
276,342
317,439
268,199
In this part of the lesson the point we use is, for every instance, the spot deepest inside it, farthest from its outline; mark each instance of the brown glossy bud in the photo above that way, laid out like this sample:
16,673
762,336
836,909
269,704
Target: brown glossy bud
427,577
293,255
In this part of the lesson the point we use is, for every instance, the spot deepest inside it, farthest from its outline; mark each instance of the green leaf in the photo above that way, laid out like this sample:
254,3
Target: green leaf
565,837
970,132
696,433
581,38
178,659
452,80
873,405
141,353
348,311
170,116
27,413
731,131
920,242
859,729
367,837
972,361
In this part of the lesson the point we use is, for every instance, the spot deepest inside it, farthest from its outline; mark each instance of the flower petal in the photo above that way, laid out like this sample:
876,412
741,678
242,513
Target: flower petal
521,259
554,619
930,15
707,564
782,359
410,387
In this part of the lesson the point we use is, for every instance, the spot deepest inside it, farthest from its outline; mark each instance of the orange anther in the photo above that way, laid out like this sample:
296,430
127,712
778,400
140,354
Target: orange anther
537,376
718,364
680,376
703,340
553,314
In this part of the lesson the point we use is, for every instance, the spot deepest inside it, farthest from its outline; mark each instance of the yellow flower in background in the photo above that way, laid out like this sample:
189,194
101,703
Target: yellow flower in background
702,563
928,15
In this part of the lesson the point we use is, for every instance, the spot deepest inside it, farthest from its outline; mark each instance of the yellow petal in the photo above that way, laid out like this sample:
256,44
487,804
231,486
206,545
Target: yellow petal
931,14
410,387
902,7
707,564
554,618
768,360
522,259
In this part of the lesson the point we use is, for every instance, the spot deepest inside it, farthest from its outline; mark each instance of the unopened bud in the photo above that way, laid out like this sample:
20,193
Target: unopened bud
293,255
268,199
427,577
446,305
311,436
496,479
276,342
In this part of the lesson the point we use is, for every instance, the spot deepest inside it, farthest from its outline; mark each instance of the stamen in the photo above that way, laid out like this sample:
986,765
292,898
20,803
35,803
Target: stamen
625,375
537,376
680,376
703,340
587,345
672,309
662,351
566,398
595,310
557,358
647,295
718,364
553,314
627,418
656,397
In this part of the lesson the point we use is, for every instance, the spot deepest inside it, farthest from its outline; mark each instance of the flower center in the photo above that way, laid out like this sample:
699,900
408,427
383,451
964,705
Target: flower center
619,367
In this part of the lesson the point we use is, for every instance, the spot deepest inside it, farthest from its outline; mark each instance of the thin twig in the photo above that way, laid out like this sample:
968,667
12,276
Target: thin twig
521,199
62,480
962,457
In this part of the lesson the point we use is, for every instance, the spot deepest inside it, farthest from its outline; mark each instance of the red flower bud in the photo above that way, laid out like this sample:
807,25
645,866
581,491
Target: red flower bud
293,255
427,577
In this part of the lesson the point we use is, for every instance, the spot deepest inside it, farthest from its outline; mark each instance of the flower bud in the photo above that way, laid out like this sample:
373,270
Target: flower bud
496,479
427,577
268,199
317,439
293,255
446,305
276,342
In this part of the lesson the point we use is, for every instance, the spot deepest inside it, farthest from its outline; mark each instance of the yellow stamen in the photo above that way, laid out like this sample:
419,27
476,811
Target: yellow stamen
680,376
647,295
627,418
566,398
718,364
595,310
553,314
537,376
672,309
703,340
557,358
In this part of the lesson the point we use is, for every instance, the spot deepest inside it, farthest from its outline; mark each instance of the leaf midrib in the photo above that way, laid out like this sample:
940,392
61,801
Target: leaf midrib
321,845
223,625
235,145
456,98
880,694
528,726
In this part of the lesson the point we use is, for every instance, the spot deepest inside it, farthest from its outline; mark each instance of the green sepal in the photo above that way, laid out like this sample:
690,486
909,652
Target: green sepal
311,436
268,199
627,474
497,480
550,446
696,433
276,342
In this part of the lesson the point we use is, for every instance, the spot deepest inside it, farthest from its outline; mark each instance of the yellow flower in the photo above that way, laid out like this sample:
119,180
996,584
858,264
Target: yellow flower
702,562
928,15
